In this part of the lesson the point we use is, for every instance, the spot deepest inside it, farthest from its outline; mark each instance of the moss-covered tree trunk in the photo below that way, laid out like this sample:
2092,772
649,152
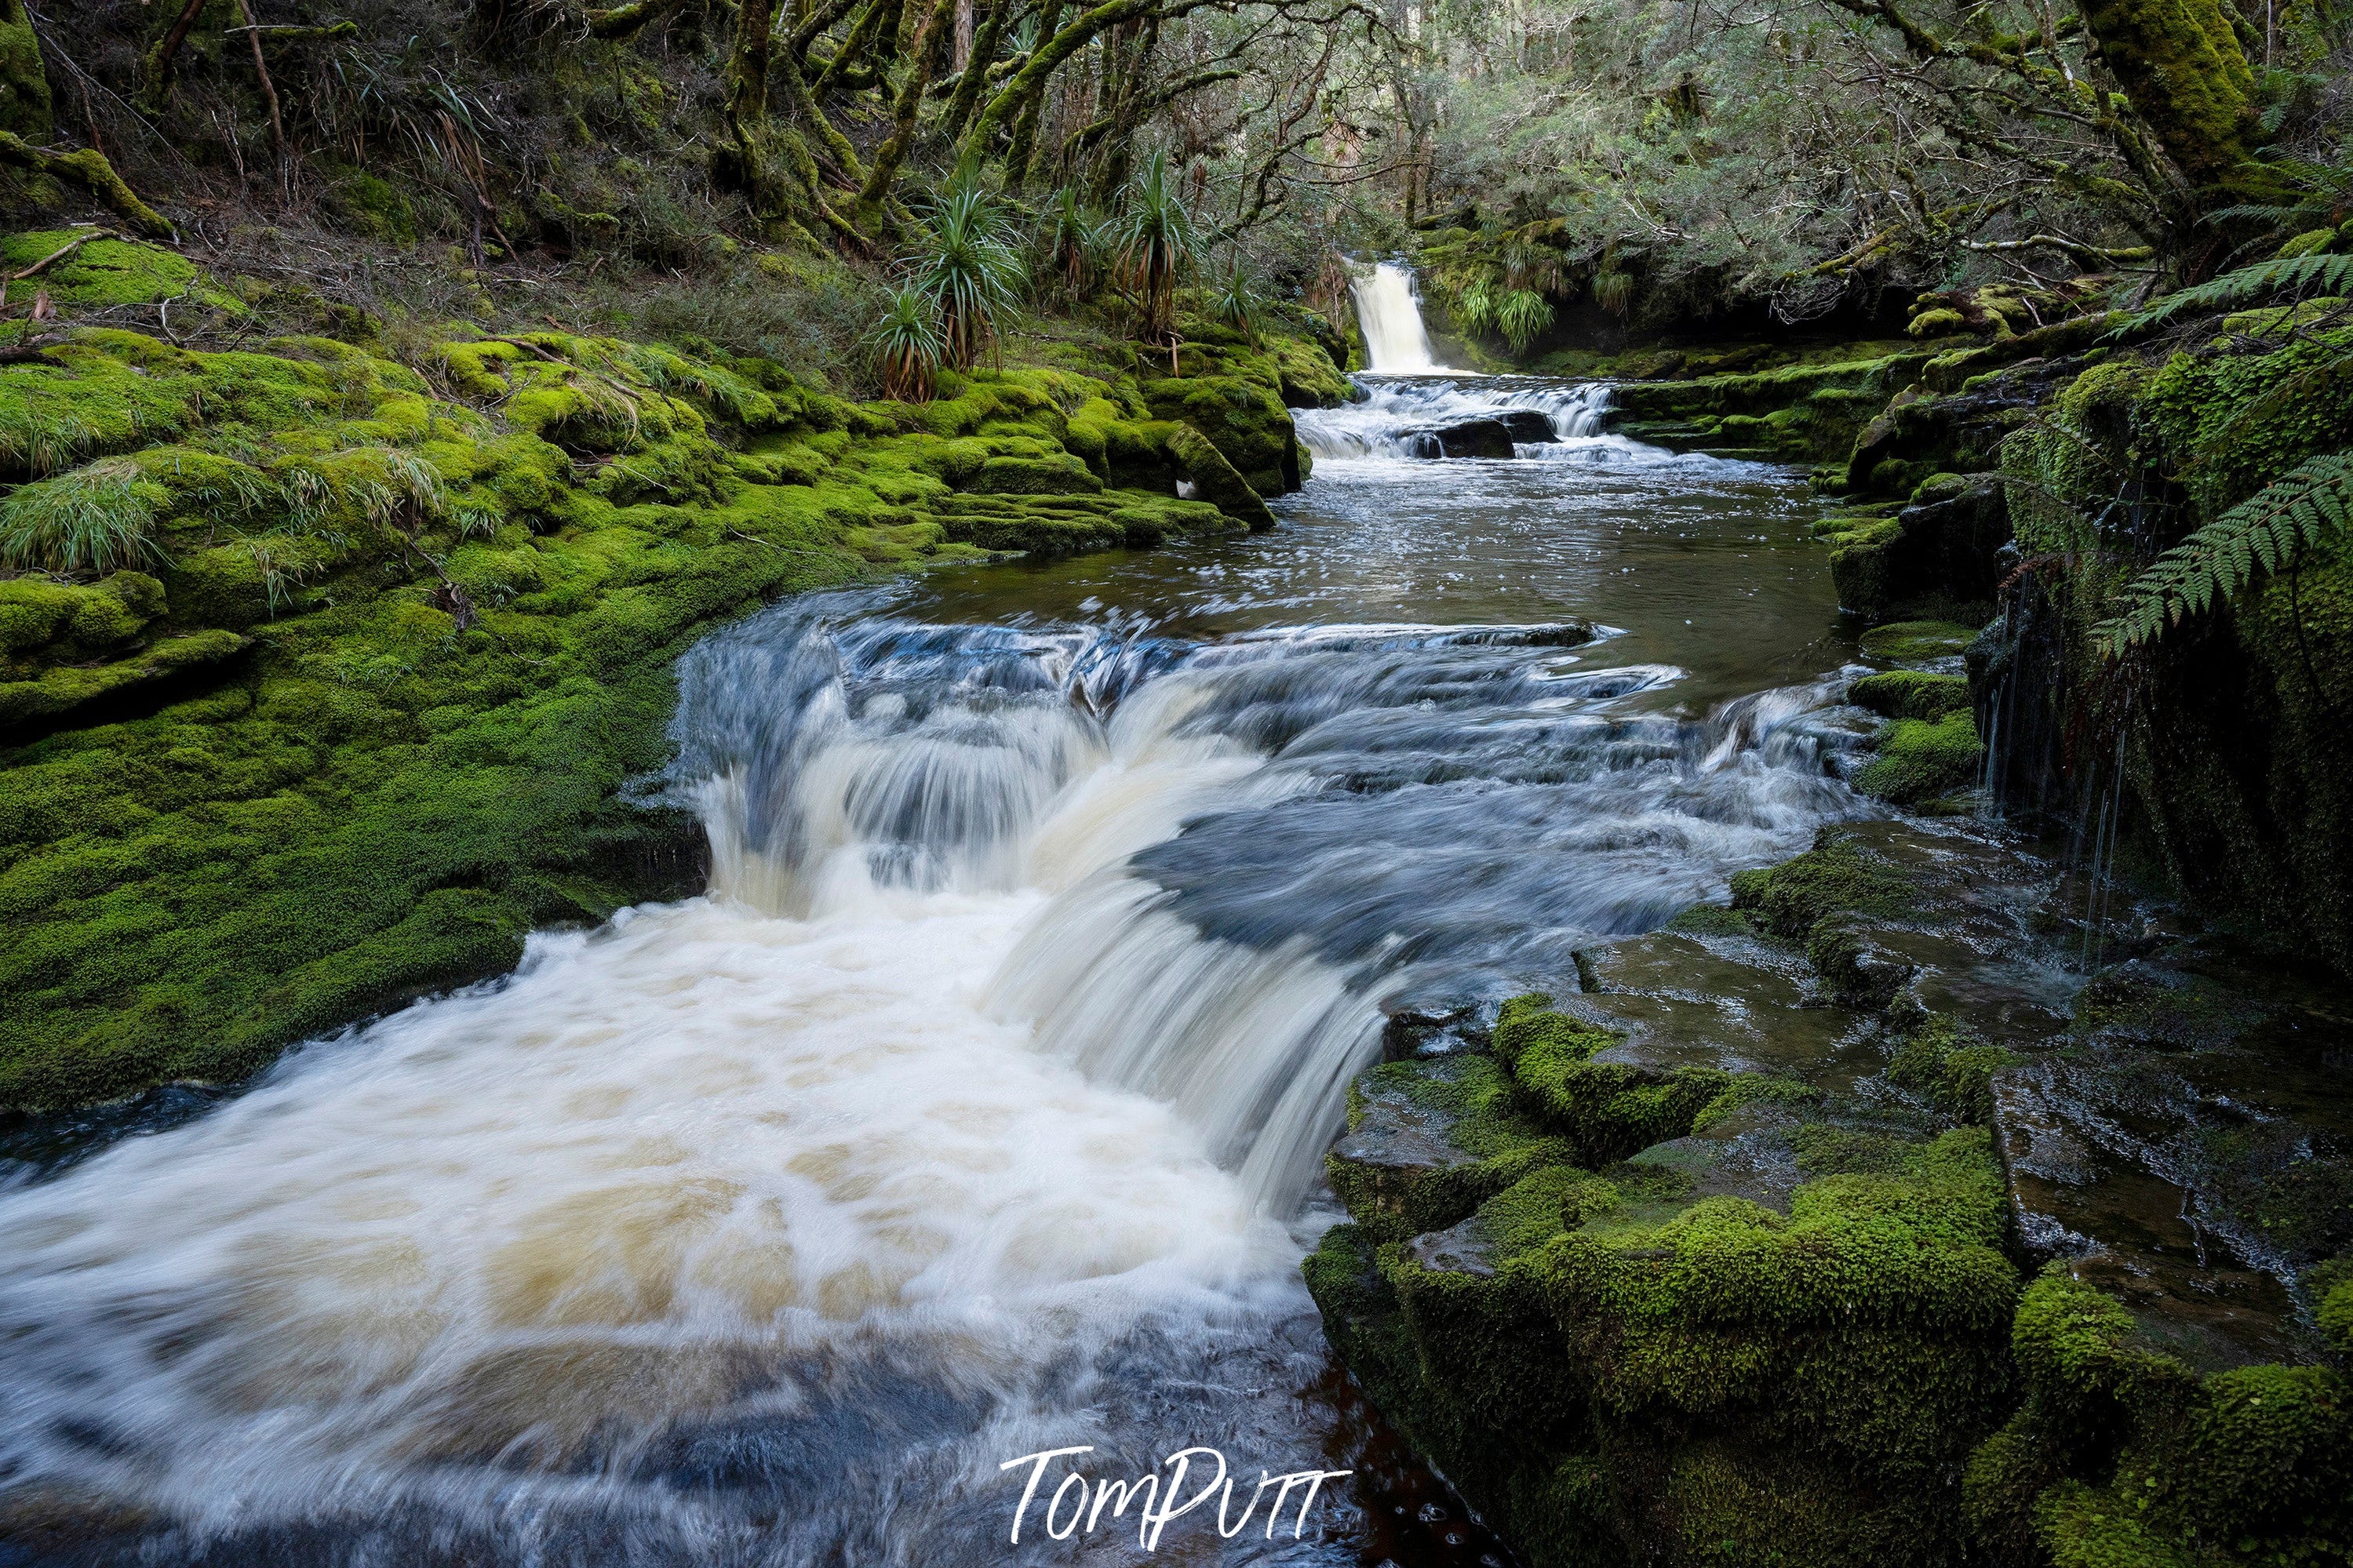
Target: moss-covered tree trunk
24,84
2179,63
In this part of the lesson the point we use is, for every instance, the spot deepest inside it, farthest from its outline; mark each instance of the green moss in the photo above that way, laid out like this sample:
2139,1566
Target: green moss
1431,1141
101,273
1837,877
1608,1110
24,81
1918,760
2180,64
58,690
1917,642
1951,1067
389,784
1911,694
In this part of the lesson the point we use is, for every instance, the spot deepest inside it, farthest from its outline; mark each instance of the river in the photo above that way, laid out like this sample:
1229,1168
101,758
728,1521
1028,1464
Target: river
978,1109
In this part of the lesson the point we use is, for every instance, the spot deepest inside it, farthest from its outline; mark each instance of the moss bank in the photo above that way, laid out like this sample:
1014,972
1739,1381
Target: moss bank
348,703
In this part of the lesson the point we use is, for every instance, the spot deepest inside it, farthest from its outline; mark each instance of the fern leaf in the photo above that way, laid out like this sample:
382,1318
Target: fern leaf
2295,511
2246,285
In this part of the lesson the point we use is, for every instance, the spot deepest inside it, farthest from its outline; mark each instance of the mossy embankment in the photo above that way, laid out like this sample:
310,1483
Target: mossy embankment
326,671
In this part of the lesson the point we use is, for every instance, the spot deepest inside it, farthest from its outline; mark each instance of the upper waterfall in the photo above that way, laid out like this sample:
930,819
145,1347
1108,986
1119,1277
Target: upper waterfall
1395,339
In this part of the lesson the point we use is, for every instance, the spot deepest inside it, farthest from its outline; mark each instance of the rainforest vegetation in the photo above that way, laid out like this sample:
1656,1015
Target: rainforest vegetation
391,389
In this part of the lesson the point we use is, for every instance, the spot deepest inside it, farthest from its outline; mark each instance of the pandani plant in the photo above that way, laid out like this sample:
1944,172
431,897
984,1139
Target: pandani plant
1156,244
969,267
907,345
1236,301
1073,243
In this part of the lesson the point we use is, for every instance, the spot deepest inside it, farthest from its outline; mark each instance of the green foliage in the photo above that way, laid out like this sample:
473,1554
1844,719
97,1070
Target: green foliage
472,631
1074,243
97,519
1911,694
969,266
2262,534
1522,315
909,346
1236,301
2301,275
1156,245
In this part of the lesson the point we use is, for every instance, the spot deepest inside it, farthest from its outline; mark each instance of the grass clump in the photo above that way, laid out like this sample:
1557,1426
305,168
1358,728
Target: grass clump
97,519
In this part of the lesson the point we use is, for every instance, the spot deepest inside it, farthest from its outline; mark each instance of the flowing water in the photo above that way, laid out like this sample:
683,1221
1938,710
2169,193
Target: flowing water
1396,342
977,1109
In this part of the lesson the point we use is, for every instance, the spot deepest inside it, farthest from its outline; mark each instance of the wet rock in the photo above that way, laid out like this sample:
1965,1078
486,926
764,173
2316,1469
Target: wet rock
1471,438
1528,426
1939,555
2187,1144
1428,1141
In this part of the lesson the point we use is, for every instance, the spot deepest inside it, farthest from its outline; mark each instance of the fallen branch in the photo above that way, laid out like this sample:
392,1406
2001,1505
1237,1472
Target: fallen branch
89,170
294,32
59,254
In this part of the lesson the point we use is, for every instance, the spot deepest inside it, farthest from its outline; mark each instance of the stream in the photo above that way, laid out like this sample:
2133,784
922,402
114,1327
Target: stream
978,1111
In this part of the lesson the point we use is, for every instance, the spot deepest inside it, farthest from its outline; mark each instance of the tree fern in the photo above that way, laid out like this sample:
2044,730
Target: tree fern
2300,274
2265,532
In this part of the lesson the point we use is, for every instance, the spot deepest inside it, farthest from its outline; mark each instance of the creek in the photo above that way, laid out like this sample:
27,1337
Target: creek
978,1108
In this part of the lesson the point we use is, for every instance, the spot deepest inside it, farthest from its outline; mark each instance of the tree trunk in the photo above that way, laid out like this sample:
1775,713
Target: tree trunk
887,157
2179,63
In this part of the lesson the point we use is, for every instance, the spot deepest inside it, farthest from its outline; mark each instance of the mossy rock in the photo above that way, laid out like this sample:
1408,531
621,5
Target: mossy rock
2121,1455
1919,760
1214,479
453,622
1608,1110
1917,642
1911,694
102,272
1062,474
1428,1141
1951,1067
1837,876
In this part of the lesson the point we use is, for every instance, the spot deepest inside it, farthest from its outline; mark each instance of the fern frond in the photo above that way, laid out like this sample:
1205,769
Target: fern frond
2295,512
2246,285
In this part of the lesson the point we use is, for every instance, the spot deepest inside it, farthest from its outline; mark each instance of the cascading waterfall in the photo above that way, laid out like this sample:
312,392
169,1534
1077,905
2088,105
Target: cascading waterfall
1396,341
969,1112
1396,418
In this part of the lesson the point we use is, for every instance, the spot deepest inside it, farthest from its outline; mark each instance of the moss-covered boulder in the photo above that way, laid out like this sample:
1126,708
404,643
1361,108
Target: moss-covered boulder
1773,1332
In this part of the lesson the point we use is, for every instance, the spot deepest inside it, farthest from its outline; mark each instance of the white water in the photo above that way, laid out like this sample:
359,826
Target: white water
965,1118
1397,418
1389,310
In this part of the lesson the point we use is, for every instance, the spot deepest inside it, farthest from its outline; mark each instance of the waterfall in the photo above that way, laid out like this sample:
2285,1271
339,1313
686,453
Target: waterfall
1395,339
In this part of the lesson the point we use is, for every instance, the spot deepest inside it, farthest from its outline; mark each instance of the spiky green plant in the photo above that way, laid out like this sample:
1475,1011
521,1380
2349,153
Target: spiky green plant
969,266
907,345
1236,301
1073,243
1157,244
2263,534
1613,290
97,519
1520,315
1473,307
